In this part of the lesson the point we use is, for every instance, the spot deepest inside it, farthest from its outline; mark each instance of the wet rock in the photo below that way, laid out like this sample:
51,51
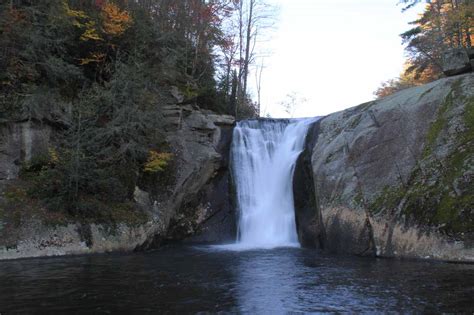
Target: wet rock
348,232
38,239
310,228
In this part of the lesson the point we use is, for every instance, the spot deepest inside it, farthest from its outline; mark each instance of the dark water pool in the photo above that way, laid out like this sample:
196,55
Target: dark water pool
193,279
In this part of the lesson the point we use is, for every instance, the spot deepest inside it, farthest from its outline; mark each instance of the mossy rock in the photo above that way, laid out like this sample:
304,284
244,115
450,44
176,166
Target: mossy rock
440,190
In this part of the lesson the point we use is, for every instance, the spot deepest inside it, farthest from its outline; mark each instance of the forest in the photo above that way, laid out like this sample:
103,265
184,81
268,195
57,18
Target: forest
443,24
100,73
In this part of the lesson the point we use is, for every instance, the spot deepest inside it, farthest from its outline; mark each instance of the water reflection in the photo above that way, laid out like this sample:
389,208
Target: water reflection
286,280
190,280
266,283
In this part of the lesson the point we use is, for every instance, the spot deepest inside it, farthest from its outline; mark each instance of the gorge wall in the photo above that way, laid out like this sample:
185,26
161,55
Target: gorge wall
193,203
389,178
393,177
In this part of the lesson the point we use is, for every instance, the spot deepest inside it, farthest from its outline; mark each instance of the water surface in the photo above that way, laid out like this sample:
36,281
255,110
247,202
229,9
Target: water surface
203,279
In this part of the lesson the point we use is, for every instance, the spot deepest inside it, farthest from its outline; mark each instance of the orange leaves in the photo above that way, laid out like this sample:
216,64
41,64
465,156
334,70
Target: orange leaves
115,21
111,23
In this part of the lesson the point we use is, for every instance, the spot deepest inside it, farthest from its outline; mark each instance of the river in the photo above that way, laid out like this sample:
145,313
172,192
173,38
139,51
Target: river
193,279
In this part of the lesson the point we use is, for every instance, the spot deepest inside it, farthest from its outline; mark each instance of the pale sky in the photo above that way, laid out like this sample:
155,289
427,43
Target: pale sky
334,53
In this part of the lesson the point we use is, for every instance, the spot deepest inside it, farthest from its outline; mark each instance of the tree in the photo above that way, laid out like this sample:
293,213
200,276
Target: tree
244,30
99,71
444,24
406,80
258,85
291,103
257,16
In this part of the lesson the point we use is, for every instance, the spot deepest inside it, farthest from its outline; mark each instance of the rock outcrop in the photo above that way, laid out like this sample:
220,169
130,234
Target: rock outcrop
395,177
457,61
21,142
194,203
198,205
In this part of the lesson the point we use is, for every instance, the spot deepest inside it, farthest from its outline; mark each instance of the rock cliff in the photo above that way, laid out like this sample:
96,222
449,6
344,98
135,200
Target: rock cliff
389,178
194,203
394,177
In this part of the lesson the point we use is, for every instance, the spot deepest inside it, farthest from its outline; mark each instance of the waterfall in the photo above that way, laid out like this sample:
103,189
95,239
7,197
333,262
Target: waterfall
264,154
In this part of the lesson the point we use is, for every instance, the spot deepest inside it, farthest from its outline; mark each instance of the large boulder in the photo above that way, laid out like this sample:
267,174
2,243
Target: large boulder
456,61
470,52
395,177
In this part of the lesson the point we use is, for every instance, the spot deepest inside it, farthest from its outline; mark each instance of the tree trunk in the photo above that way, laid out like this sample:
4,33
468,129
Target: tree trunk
241,51
258,76
247,46
457,24
233,104
227,78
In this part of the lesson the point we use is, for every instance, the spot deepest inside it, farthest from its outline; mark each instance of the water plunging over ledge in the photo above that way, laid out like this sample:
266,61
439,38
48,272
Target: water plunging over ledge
264,154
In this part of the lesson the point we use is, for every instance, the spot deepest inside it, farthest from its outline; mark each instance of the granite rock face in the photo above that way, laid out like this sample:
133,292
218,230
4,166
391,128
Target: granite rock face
394,177
198,202
194,203
20,143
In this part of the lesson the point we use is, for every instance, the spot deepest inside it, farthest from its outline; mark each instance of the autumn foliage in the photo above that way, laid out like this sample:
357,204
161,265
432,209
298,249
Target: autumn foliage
157,161
114,20
100,73
443,24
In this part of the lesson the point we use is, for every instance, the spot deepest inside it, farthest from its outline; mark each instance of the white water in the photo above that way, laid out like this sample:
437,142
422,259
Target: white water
264,154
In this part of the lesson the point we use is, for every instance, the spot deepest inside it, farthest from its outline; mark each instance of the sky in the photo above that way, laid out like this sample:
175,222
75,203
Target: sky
333,53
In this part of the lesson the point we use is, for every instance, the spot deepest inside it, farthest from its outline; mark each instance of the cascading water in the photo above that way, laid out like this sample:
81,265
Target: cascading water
264,154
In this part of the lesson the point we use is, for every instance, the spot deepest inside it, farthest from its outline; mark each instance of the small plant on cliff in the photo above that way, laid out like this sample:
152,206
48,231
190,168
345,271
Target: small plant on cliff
157,161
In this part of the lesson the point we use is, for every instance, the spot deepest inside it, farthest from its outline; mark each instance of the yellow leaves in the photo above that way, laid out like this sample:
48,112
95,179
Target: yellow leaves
91,32
94,57
6,82
53,156
115,21
157,161
78,14
96,29
83,21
